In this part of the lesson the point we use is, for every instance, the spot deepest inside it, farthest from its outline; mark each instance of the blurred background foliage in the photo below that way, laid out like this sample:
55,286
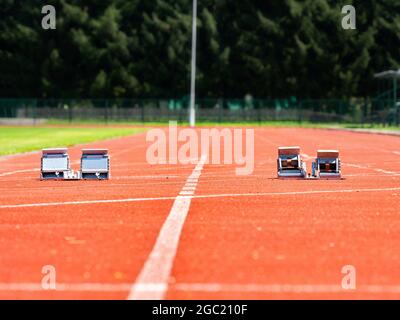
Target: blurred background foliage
139,48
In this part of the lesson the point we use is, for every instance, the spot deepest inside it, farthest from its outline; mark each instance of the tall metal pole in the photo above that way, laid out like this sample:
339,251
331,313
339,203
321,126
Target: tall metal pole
192,111
396,107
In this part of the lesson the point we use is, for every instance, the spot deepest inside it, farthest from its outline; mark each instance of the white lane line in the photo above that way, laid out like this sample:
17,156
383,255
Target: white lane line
28,170
206,196
189,188
186,193
387,172
126,150
190,191
356,166
202,287
65,287
391,173
306,156
282,288
15,155
152,281
17,171
50,204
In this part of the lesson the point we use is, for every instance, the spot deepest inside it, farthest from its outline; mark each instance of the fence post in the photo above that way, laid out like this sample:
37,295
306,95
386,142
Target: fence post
299,112
34,111
221,110
106,112
142,111
257,104
70,114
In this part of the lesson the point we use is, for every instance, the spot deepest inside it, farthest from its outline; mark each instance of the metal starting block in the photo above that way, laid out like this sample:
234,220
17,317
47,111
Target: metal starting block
95,164
290,164
54,163
327,165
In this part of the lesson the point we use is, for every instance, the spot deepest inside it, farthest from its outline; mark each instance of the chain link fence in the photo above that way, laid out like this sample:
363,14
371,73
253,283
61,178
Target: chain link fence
354,111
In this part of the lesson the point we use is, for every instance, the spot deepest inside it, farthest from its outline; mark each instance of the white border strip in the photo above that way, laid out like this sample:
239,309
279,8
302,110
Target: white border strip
191,196
202,287
282,288
9,173
152,281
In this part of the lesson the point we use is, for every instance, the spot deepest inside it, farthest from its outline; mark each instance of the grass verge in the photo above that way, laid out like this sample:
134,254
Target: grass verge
24,139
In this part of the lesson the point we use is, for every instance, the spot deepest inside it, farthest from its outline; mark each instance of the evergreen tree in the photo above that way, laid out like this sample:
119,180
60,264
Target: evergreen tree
137,49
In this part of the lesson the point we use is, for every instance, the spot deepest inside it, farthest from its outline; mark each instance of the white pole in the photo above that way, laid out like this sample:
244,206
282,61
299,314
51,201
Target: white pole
192,116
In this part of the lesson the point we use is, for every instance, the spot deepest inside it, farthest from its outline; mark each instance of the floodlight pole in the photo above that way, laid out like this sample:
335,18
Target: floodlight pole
396,107
192,110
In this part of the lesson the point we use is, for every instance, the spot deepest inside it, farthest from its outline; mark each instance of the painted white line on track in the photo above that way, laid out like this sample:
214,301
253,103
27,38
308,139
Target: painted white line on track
49,204
282,288
206,196
387,172
306,156
17,171
186,193
15,155
390,173
200,287
191,184
152,281
189,188
3,174
66,287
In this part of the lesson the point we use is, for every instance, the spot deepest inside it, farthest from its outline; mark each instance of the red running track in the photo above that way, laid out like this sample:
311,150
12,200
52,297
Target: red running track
249,237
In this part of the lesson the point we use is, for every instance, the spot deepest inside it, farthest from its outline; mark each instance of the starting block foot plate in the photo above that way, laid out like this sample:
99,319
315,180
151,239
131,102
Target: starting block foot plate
290,164
95,164
54,163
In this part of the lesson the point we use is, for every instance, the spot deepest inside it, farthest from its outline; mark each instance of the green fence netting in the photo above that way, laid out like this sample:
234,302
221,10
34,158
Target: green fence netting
369,111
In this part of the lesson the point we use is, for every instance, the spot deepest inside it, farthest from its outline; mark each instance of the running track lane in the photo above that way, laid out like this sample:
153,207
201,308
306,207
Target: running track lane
294,245
91,246
290,241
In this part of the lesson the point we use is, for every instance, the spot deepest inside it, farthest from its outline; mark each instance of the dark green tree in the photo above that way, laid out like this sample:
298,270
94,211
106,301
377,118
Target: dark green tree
137,49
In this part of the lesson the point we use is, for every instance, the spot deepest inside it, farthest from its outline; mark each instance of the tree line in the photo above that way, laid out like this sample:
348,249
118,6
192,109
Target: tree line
141,49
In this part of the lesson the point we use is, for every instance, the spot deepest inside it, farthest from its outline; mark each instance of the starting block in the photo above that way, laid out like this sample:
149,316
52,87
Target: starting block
290,164
54,163
95,164
327,165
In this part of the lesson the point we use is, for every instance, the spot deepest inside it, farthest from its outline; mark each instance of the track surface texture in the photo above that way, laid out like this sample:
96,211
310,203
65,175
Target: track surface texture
142,234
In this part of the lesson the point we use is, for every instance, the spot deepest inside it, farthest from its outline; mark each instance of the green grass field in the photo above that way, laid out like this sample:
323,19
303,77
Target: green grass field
24,139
